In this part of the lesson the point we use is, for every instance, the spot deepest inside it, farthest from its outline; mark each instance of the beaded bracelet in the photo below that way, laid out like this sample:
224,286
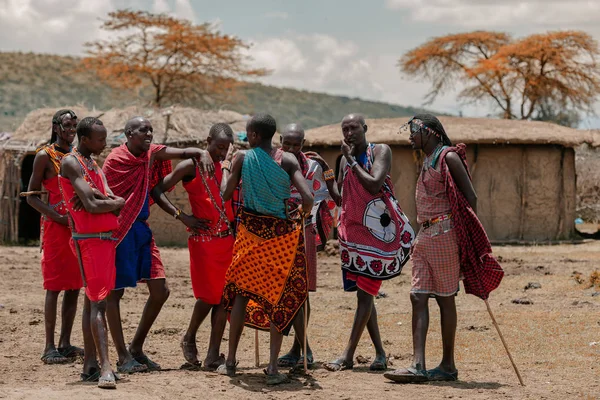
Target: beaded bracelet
226,165
329,175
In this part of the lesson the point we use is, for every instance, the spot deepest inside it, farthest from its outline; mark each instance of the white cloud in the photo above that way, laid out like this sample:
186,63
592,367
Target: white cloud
317,62
44,26
161,6
491,13
277,15
184,9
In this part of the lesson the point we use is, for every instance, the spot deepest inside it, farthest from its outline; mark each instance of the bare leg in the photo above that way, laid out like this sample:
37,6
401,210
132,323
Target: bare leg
89,347
448,322
218,322
159,293
373,329
275,347
69,311
201,310
298,345
100,333
361,318
420,325
236,326
50,319
113,314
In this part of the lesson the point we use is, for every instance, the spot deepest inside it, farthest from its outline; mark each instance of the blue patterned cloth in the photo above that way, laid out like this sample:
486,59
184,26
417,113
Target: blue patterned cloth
266,186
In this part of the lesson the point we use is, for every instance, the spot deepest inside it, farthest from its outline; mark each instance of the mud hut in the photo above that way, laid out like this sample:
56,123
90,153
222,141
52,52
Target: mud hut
173,126
523,171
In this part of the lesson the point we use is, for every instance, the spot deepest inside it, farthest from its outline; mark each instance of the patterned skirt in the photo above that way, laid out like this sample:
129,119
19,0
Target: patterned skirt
269,268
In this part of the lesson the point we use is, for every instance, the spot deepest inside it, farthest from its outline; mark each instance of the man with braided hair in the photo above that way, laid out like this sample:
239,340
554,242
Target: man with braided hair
59,265
210,243
450,243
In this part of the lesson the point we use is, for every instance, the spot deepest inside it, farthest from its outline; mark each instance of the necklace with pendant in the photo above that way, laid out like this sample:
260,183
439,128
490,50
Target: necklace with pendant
433,156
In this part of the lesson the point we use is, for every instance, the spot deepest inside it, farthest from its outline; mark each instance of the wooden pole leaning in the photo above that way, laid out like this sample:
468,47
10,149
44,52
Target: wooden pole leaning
487,304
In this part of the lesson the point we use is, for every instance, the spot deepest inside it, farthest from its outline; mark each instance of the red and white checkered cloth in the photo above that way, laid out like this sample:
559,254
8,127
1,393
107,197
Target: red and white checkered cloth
481,271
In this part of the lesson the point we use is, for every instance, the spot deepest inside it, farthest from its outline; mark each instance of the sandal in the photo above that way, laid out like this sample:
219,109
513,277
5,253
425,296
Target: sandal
131,367
408,375
144,360
276,379
439,375
310,361
228,370
288,360
91,376
107,383
71,352
379,364
192,356
338,365
53,357
212,366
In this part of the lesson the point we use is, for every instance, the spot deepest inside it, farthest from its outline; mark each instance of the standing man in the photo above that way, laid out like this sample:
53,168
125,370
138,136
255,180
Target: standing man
132,169
317,231
451,240
59,265
375,237
269,265
81,179
210,242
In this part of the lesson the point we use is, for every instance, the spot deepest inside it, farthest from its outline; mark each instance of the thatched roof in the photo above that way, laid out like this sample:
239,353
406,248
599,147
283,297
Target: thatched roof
465,130
186,126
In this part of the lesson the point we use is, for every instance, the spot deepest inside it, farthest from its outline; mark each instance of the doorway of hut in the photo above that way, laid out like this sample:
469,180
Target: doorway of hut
29,218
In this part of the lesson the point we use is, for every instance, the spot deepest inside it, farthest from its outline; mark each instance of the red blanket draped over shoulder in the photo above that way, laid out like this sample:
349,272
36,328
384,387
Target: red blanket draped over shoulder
482,272
131,178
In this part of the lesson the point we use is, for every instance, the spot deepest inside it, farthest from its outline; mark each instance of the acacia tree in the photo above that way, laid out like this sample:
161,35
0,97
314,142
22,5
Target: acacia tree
538,77
182,62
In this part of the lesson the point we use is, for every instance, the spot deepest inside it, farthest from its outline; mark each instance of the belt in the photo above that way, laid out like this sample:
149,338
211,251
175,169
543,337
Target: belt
436,220
220,235
99,235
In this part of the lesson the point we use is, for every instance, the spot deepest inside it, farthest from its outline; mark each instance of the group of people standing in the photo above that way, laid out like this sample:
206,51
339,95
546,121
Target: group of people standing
258,218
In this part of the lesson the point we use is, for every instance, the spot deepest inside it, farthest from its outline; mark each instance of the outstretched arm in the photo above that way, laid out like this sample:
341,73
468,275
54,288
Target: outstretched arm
461,178
173,153
381,166
185,169
40,164
70,169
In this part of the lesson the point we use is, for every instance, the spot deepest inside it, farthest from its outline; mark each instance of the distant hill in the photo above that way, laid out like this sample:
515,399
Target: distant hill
29,81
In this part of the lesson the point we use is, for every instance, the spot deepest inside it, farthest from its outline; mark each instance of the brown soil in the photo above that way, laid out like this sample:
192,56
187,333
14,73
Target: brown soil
552,340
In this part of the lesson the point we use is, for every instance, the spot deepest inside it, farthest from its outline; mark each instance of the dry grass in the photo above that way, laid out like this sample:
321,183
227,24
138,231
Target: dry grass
551,339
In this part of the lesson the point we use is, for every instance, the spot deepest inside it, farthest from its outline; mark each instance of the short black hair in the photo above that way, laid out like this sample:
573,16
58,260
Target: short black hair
264,125
219,128
57,120
431,121
85,126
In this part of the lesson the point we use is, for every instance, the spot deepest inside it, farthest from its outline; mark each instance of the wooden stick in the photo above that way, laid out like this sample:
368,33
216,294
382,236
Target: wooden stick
256,356
305,336
32,193
504,342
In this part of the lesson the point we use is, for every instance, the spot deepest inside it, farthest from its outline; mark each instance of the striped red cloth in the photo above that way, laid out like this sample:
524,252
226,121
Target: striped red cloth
131,178
481,271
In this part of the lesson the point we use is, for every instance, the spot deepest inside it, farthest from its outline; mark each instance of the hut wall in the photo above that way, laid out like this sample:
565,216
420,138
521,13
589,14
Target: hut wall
525,192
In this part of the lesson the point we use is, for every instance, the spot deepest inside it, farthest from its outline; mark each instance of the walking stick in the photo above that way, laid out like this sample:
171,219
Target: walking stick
305,303
504,342
256,357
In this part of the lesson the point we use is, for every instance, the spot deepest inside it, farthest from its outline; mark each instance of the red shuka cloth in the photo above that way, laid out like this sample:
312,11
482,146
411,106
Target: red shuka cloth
132,177
481,271
60,267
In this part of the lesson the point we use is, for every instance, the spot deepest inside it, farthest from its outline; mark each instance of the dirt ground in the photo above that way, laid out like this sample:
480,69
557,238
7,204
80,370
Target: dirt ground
555,341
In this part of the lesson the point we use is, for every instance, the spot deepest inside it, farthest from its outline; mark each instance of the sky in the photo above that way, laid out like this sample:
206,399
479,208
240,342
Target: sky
343,47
